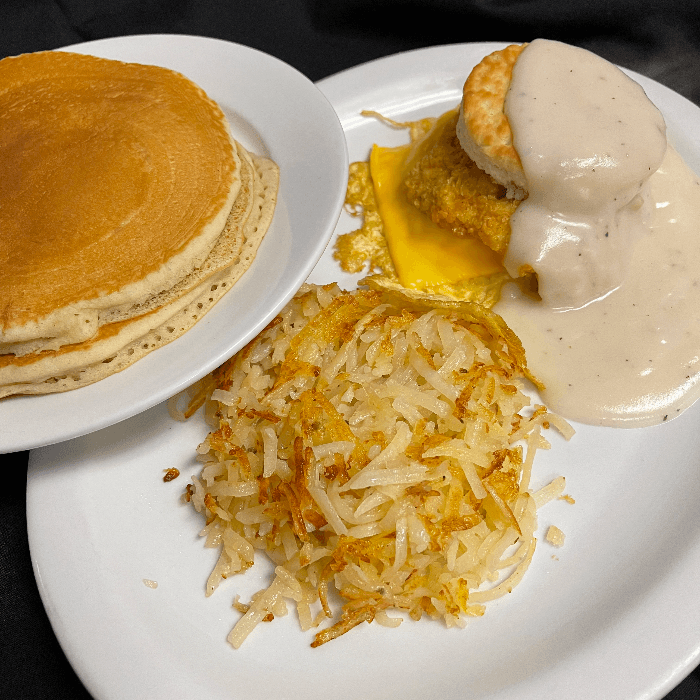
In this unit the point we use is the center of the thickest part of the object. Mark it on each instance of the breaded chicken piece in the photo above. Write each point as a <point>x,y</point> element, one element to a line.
<point>448,186</point>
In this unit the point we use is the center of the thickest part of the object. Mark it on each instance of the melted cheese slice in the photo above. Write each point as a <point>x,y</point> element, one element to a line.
<point>425,256</point>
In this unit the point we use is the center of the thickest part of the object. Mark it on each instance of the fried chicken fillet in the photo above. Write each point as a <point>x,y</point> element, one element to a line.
<point>448,186</point>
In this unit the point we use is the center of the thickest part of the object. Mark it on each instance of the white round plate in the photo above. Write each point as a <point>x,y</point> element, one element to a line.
<point>614,613</point>
<point>275,111</point>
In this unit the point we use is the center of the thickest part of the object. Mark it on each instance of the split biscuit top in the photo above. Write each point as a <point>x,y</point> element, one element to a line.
<point>116,180</point>
<point>483,128</point>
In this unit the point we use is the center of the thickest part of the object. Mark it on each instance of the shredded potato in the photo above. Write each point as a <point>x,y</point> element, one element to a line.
<point>555,536</point>
<point>376,447</point>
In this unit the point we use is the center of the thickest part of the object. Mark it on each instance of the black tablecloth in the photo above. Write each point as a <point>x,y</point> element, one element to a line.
<point>319,38</point>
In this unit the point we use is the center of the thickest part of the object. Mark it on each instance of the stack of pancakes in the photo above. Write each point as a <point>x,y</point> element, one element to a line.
<point>127,210</point>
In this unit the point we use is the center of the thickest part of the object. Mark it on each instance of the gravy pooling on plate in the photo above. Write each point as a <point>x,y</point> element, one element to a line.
<point>610,227</point>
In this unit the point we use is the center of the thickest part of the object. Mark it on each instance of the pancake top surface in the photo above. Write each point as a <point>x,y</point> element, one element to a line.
<point>485,132</point>
<point>109,172</point>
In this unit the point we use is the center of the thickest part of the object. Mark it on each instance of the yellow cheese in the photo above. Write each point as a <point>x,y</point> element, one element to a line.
<point>425,256</point>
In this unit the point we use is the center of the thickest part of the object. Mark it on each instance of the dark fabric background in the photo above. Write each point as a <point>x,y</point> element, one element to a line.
<point>319,38</point>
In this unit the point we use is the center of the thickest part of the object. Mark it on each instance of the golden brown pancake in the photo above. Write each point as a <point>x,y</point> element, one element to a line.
<point>483,128</point>
<point>116,180</point>
<point>224,253</point>
<point>118,345</point>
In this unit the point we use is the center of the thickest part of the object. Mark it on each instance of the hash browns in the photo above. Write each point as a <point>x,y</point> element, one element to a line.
<point>373,446</point>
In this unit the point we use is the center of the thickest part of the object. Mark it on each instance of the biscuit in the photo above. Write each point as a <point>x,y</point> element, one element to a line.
<point>483,128</point>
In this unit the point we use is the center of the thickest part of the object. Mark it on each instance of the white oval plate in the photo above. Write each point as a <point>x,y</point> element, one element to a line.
<point>615,613</point>
<point>275,111</point>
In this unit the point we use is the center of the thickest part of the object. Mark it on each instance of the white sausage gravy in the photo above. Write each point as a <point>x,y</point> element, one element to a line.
<point>610,226</point>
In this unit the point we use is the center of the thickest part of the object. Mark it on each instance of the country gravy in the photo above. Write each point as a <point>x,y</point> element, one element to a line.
<point>610,226</point>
